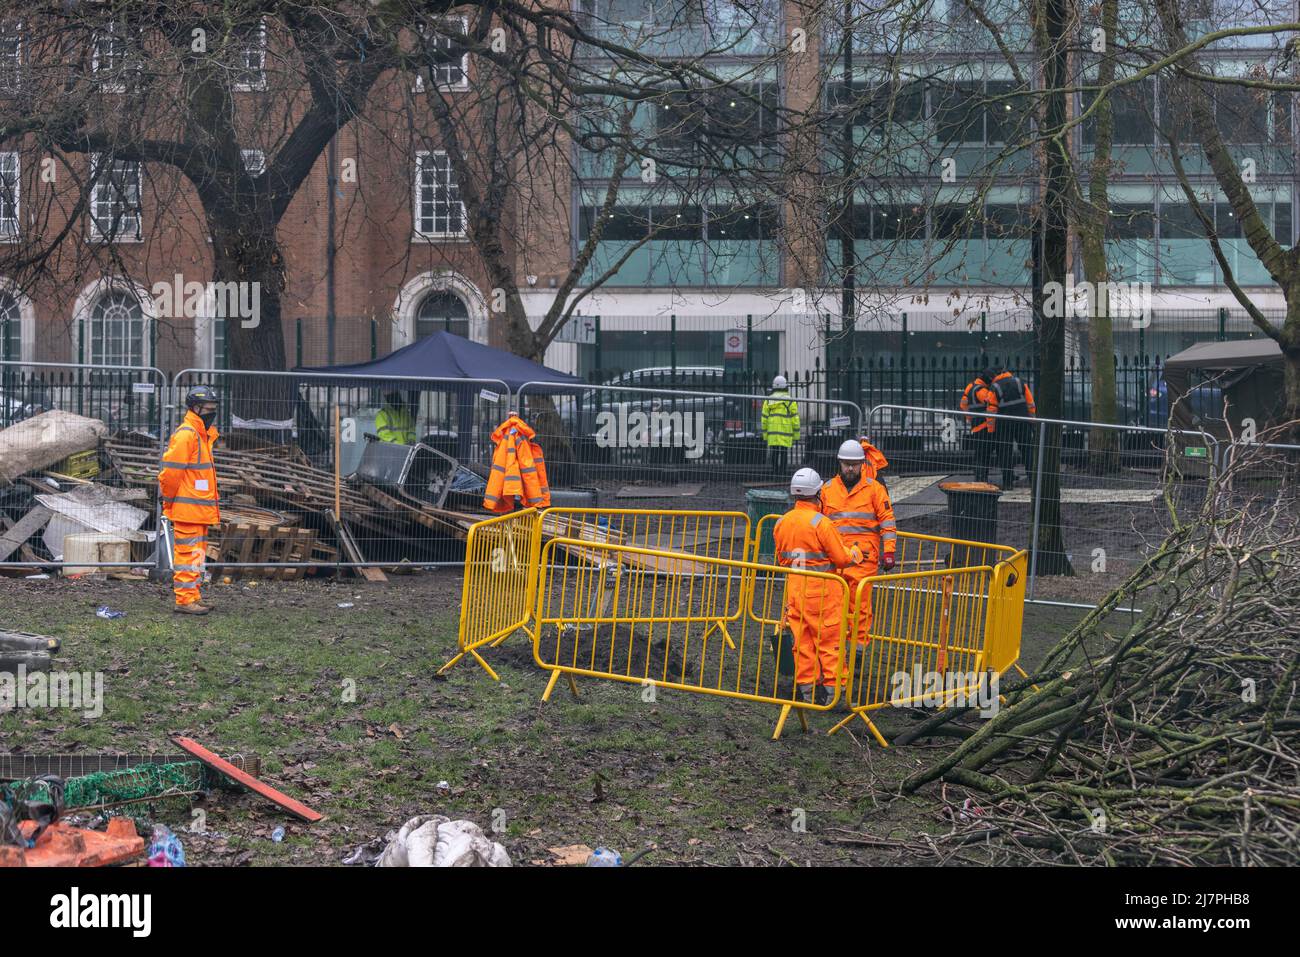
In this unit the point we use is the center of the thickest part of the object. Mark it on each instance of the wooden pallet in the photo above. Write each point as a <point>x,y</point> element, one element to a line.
<point>264,546</point>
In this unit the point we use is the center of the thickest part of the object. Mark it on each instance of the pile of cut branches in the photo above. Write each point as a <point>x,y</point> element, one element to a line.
<point>1178,740</point>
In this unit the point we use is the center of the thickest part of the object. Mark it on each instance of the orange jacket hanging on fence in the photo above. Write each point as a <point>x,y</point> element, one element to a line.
<point>187,482</point>
<point>518,469</point>
<point>814,607</point>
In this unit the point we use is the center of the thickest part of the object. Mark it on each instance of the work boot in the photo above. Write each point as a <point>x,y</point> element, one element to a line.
<point>1008,480</point>
<point>805,693</point>
<point>824,694</point>
<point>193,608</point>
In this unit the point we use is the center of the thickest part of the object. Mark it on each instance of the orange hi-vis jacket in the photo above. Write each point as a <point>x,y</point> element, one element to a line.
<point>978,397</point>
<point>876,461</point>
<point>1014,395</point>
<point>814,607</point>
<point>187,482</point>
<point>518,469</point>
<point>863,516</point>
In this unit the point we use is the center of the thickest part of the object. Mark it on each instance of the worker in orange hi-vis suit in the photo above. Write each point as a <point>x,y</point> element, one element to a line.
<point>814,606</point>
<point>518,469</point>
<point>863,515</point>
<point>187,485</point>
<point>979,396</point>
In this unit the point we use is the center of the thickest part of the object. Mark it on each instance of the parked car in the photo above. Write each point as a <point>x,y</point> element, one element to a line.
<point>661,426</point>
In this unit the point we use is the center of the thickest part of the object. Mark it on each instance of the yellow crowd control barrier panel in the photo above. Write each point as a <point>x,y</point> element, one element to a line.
<point>674,600</point>
<point>672,620</point>
<point>500,575</point>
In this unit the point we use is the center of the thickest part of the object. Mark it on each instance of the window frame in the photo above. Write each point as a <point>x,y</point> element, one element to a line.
<point>259,46</point>
<point>10,233</point>
<point>463,85</point>
<point>121,32</point>
<point>95,233</point>
<point>420,235</point>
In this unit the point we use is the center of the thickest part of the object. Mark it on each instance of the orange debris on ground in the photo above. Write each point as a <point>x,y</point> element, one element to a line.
<point>61,845</point>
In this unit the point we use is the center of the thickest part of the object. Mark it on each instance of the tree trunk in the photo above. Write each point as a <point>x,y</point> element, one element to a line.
<point>1103,444</point>
<point>1050,557</point>
<point>247,254</point>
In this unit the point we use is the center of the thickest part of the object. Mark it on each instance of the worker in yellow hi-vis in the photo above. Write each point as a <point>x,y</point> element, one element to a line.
<point>395,423</point>
<point>780,424</point>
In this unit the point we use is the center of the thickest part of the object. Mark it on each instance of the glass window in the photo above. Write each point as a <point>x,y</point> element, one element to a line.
<point>1241,113</point>
<point>899,222</point>
<point>441,311</point>
<point>743,115</point>
<point>438,209</point>
<point>677,223</point>
<point>115,199</point>
<point>624,223</point>
<point>447,54</point>
<point>1007,109</point>
<point>952,221</point>
<point>116,333</point>
<point>748,223</point>
<point>112,59</point>
<point>11,55</point>
<point>250,59</point>
<point>1007,221</point>
<point>1132,109</point>
<point>1175,114</point>
<point>11,339</point>
<point>958,112</point>
<point>8,195</point>
<point>1131,221</point>
<point>680,120</point>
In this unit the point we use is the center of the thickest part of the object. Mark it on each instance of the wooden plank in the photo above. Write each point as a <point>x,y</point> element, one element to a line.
<point>295,808</point>
<point>352,552</point>
<point>23,529</point>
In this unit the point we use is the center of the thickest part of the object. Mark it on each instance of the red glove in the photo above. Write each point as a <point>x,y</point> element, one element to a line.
<point>887,561</point>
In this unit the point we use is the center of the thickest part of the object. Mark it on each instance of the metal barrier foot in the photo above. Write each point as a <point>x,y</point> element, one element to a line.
<point>448,666</point>
<point>780,721</point>
<point>874,730</point>
<point>484,665</point>
<point>550,685</point>
<point>726,635</point>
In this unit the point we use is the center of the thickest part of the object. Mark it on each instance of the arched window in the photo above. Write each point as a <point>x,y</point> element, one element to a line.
<point>115,332</point>
<point>441,311</point>
<point>11,327</point>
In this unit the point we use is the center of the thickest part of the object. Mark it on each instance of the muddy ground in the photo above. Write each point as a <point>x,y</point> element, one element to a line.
<point>695,778</point>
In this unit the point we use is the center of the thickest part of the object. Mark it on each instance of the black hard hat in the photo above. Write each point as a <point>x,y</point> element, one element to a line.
<point>988,375</point>
<point>200,394</point>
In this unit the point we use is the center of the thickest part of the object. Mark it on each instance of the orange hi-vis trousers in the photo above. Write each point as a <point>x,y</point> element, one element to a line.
<point>189,551</point>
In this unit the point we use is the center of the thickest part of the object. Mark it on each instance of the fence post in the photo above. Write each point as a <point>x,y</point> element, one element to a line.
<point>749,343</point>
<point>1038,506</point>
<point>1223,324</point>
<point>598,347</point>
<point>672,342</point>
<point>297,341</point>
<point>906,383</point>
<point>374,339</point>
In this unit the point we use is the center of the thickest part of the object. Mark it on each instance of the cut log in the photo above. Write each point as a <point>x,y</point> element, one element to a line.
<point>44,440</point>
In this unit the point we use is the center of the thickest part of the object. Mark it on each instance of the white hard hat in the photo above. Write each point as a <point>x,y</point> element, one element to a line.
<point>805,482</point>
<point>779,382</point>
<point>851,451</point>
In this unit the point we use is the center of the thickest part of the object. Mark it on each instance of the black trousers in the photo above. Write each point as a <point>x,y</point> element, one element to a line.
<point>779,457</point>
<point>986,453</point>
<point>1017,438</point>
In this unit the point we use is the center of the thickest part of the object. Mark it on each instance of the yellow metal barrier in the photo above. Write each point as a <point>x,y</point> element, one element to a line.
<point>500,575</point>
<point>599,597</point>
<point>713,534</point>
<point>935,637</point>
<point>659,618</point>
